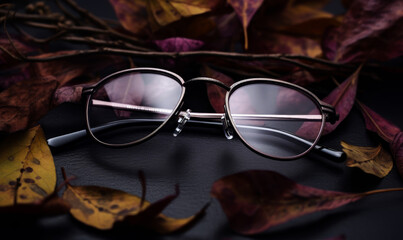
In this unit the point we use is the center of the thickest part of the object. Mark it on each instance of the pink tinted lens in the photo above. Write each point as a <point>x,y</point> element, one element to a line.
<point>275,120</point>
<point>130,106</point>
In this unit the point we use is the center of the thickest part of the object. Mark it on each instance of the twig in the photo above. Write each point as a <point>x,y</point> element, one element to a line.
<point>100,22</point>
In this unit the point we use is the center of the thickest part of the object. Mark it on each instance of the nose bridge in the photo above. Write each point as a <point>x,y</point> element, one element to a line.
<point>226,124</point>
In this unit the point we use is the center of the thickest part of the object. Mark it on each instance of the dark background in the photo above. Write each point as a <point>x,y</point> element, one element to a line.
<point>199,156</point>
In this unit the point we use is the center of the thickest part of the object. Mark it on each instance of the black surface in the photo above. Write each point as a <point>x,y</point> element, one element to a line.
<point>199,156</point>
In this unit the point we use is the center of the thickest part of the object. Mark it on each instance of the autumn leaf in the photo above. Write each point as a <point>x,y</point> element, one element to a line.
<point>373,160</point>
<point>370,30</point>
<point>342,98</point>
<point>245,11</point>
<point>31,95</point>
<point>162,13</point>
<point>377,124</point>
<point>132,14</point>
<point>256,200</point>
<point>27,170</point>
<point>177,44</point>
<point>25,102</point>
<point>102,208</point>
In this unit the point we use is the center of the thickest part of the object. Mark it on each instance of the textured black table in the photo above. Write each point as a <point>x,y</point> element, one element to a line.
<point>199,156</point>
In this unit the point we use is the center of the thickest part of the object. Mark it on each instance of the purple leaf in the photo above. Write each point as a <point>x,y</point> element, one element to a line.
<point>371,29</point>
<point>178,44</point>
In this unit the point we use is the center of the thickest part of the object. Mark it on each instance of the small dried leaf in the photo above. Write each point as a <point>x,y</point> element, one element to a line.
<point>375,123</point>
<point>255,200</point>
<point>245,10</point>
<point>27,170</point>
<point>373,160</point>
<point>102,207</point>
<point>177,44</point>
<point>67,94</point>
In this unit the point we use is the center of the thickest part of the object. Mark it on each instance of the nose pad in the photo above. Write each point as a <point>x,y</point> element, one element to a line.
<point>181,122</point>
<point>226,124</point>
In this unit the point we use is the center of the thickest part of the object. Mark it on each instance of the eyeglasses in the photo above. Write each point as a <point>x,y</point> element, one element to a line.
<point>274,118</point>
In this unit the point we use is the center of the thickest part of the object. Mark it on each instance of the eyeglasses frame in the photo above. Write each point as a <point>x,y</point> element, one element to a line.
<point>327,111</point>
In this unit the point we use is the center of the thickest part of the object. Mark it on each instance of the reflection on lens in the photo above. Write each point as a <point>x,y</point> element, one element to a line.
<point>130,106</point>
<point>276,120</point>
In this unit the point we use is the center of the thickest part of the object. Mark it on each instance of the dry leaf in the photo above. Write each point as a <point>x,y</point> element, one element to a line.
<point>162,12</point>
<point>342,98</point>
<point>257,200</point>
<point>245,10</point>
<point>375,123</point>
<point>373,160</point>
<point>132,14</point>
<point>27,170</point>
<point>102,207</point>
<point>370,30</point>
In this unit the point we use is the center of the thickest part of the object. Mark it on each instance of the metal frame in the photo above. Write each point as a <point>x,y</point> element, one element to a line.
<point>326,111</point>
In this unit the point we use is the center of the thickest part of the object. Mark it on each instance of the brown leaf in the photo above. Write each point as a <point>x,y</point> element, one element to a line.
<point>245,10</point>
<point>373,160</point>
<point>30,97</point>
<point>102,208</point>
<point>132,14</point>
<point>370,30</point>
<point>257,200</point>
<point>24,103</point>
<point>27,170</point>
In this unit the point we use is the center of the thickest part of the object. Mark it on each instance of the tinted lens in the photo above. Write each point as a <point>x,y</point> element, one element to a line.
<point>276,120</point>
<point>131,106</point>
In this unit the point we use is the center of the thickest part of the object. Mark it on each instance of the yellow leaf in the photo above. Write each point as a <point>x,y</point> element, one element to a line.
<point>27,170</point>
<point>102,207</point>
<point>373,160</point>
<point>163,12</point>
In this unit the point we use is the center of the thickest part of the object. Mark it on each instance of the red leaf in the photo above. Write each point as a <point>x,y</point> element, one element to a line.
<point>375,123</point>
<point>397,150</point>
<point>256,200</point>
<point>178,44</point>
<point>371,29</point>
<point>245,10</point>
